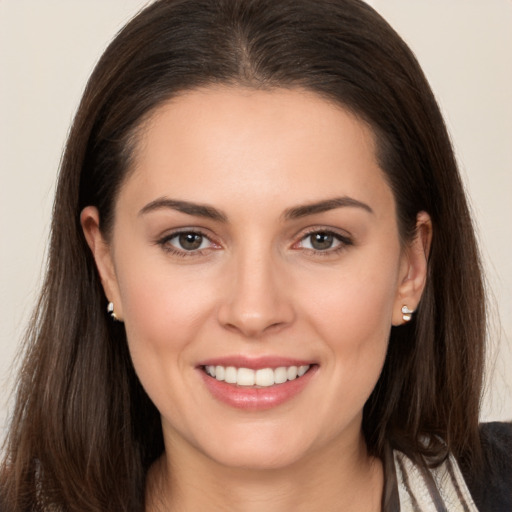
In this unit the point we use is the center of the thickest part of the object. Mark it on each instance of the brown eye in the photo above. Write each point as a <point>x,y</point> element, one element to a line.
<point>189,241</point>
<point>321,241</point>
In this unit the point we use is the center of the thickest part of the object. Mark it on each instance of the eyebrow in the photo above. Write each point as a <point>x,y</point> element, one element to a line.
<point>297,212</point>
<point>196,209</point>
<point>323,206</point>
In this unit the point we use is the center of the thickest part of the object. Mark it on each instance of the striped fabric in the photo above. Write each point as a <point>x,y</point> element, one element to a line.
<point>436,490</point>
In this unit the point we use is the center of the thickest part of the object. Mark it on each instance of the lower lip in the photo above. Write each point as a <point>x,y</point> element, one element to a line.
<point>256,399</point>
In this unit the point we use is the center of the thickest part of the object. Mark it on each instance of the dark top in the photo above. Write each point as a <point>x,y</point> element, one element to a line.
<point>492,488</point>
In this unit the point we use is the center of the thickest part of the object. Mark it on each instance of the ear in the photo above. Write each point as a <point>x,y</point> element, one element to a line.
<point>102,254</point>
<point>413,269</point>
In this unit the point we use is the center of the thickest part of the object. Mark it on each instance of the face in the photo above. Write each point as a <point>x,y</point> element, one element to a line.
<point>256,264</point>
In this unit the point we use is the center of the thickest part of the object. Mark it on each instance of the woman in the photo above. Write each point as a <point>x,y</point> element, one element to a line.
<point>259,248</point>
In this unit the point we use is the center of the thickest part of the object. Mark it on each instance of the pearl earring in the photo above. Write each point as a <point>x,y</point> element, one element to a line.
<point>406,313</point>
<point>110,309</point>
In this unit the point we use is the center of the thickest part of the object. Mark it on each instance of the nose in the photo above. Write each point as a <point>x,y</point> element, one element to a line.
<point>257,299</point>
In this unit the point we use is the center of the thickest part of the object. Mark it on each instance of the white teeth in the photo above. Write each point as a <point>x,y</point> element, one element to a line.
<point>292,372</point>
<point>220,373</point>
<point>245,377</point>
<point>231,374</point>
<point>280,375</point>
<point>264,377</point>
<point>302,370</point>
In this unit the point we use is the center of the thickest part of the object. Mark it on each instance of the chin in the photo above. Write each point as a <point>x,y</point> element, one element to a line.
<point>257,460</point>
<point>263,453</point>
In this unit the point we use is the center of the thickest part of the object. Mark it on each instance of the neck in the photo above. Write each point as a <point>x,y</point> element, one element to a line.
<point>337,479</point>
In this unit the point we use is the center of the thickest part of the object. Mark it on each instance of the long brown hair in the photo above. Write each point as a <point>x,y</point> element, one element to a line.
<point>84,432</point>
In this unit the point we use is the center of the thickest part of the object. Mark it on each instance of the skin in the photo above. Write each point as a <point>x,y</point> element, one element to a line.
<point>258,286</point>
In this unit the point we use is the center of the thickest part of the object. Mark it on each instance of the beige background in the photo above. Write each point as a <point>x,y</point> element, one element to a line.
<point>48,48</point>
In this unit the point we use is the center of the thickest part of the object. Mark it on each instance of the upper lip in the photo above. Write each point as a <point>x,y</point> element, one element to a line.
<point>255,363</point>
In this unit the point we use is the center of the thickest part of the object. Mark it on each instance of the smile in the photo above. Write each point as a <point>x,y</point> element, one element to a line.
<point>263,377</point>
<point>256,385</point>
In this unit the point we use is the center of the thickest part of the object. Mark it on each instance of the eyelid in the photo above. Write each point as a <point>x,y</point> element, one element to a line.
<point>163,241</point>
<point>344,238</point>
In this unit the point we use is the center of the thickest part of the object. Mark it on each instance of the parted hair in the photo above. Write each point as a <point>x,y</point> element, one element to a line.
<point>84,432</point>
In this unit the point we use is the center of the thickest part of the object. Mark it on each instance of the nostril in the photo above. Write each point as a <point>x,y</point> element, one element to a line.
<point>254,327</point>
<point>256,301</point>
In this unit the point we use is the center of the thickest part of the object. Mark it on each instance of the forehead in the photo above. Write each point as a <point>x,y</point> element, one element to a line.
<point>222,141</point>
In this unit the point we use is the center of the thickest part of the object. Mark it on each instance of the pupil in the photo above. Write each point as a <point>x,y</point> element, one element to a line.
<point>322,241</point>
<point>190,241</point>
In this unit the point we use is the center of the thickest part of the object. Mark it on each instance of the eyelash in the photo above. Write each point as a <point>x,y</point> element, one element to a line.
<point>343,242</point>
<point>164,242</point>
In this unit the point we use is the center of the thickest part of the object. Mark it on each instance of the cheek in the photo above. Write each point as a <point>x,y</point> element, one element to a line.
<point>358,301</point>
<point>163,310</point>
<point>161,300</point>
<point>353,315</point>
<point>356,328</point>
<point>162,316</point>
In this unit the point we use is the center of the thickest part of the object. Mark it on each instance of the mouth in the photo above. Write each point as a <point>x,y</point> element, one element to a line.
<point>256,385</point>
<point>256,378</point>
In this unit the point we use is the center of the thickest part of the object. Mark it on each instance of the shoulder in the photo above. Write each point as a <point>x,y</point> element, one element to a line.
<point>491,487</point>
